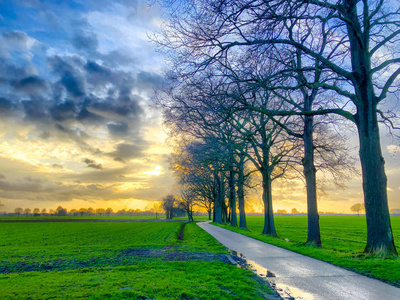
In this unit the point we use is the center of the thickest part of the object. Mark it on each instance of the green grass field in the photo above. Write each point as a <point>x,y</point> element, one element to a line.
<point>343,242</point>
<point>113,260</point>
<point>22,218</point>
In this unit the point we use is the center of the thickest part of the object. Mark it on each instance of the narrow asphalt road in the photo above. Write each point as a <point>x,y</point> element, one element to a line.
<point>300,277</point>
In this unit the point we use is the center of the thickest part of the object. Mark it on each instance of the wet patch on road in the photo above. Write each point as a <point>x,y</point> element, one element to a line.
<point>285,292</point>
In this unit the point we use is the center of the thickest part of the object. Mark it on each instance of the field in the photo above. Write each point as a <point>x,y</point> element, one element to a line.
<point>114,260</point>
<point>343,242</point>
<point>56,218</point>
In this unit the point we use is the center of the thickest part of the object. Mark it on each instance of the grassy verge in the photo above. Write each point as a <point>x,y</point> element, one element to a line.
<point>118,260</point>
<point>343,242</point>
<point>156,280</point>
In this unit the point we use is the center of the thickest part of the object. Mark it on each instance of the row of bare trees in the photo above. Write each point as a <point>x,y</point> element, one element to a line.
<point>271,84</point>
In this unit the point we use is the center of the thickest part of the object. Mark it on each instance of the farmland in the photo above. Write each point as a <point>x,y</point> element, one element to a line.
<point>343,242</point>
<point>98,260</point>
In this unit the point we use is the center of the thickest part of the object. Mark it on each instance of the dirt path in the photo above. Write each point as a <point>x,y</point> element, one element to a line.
<point>296,276</point>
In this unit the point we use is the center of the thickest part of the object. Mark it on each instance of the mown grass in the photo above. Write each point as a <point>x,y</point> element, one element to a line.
<point>92,260</point>
<point>155,280</point>
<point>46,242</point>
<point>343,242</point>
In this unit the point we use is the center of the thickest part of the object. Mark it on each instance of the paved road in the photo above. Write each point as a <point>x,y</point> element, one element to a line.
<point>301,277</point>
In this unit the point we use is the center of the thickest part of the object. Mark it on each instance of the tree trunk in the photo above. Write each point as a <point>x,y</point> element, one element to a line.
<point>218,200</point>
<point>232,197</point>
<point>190,216</point>
<point>209,214</point>
<point>269,225</point>
<point>313,235</point>
<point>224,208</point>
<point>379,230</point>
<point>240,192</point>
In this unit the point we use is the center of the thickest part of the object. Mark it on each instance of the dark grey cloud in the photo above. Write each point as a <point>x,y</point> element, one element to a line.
<point>5,106</point>
<point>22,186</point>
<point>128,108</point>
<point>73,84</point>
<point>118,58</point>
<point>64,111</point>
<point>85,41</point>
<point>94,68</point>
<point>92,164</point>
<point>85,116</point>
<point>16,36</point>
<point>57,166</point>
<point>35,110</point>
<point>30,85</point>
<point>71,79</point>
<point>118,129</point>
<point>105,176</point>
<point>9,71</point>
<point>148,81</point>
<point>126,152</point>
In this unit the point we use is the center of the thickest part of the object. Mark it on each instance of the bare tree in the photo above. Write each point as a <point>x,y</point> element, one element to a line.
<point>60,211</point>
<point>156,208</point>
<point>18,211</point>
<point>100,211</point>
<point>109,211</point>
<point>168,204</point>
<point>187,201</point>
<point>357,208</point>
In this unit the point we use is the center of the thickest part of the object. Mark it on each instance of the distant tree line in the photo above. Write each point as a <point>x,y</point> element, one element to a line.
<point>60,211</point>
<point>169,207</point>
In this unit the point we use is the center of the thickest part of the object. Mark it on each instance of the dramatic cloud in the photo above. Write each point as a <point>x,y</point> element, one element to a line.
<point>85,41</point>
<point>92,164</point>
<point>75,81</point>
<point>5,106</point>
<point>118,129</point>
<point>30,85</point>
<point>126,152</point>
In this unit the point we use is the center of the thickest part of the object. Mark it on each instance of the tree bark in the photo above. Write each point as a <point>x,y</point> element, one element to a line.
<point>313,234</point>
<point>224,208</point>
<point>269,225</point>
<point>232,197</point>
<point>218,200</point>
<point>240,193</point>
<point>379,230</point>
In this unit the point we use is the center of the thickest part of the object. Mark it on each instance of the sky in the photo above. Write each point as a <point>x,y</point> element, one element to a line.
<point>77,127</point>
